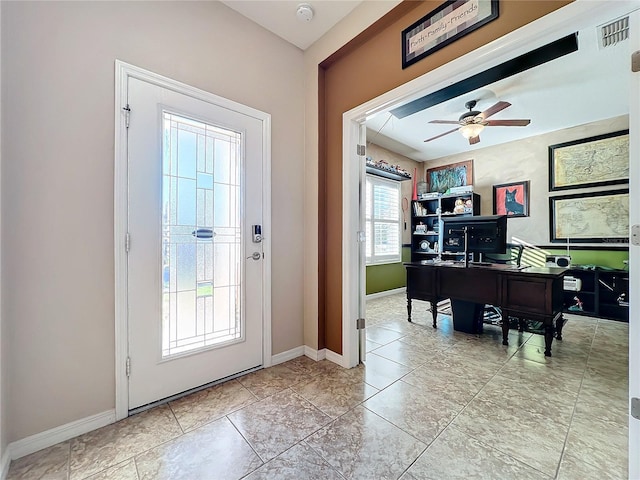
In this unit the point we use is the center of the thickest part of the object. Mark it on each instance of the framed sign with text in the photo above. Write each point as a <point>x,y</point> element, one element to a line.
<point>444,25</point>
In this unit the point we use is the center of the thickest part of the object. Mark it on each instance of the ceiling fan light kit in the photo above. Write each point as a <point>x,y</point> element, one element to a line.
<point>471,130</point>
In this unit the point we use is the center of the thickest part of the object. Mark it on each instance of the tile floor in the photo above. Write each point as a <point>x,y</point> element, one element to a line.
<point>429,404</point>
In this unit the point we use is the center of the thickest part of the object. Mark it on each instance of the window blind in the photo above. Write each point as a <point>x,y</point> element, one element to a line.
<point>382,219</point>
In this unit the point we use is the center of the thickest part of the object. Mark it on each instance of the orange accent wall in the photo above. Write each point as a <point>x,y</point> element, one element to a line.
<point>363,69</point>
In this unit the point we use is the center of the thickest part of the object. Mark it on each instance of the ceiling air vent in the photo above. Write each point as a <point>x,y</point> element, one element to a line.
<point>614,32</point>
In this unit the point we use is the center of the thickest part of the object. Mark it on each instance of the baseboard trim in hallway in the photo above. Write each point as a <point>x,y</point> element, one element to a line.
<point>309,352</point>
<point>386,293</point>
<point>313,354</point>
<point>336,358</point>
<point>48,438</point>
<point>286,356</point>
<point>4,464</point>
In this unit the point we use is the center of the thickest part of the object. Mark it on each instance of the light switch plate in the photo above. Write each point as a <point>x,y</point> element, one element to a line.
<point>635,61</point>
<point>635,235</point>
<point>635,407</point>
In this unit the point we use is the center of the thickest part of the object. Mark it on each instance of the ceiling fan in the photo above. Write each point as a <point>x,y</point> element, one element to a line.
<point>471,123</point>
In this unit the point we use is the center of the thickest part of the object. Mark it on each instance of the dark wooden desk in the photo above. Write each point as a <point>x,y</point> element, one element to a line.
<point>534,293</point>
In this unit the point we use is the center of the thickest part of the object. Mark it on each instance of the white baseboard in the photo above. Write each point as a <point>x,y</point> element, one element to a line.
<point>335,358</point>
<point>386,292</point>
<point>307,351</point>
<point>288,355</point>
<point>314,354</point>
<point>5,461</point>
<point>323,354</point>
<point>59,434</point>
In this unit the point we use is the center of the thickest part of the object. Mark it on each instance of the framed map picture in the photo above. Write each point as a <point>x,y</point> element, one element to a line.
<point>596,217</point>
<point>590,162</point>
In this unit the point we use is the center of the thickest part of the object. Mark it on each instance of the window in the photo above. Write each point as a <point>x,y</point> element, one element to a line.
<point>201,191</point>
<point>382,218</point>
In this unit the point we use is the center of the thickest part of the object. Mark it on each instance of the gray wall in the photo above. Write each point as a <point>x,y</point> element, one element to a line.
<point>57,181</point>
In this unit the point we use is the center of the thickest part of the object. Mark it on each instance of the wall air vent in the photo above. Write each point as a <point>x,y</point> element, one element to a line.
<point>614,32</point>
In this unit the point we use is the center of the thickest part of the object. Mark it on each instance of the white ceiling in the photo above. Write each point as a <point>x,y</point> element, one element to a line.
<point>588,85</point>
<point>279,17</point>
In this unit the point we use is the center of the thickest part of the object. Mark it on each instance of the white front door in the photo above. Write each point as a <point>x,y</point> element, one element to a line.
<point>195,273</point>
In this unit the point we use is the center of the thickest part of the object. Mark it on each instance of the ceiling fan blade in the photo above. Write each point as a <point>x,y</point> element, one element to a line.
<point>448,122</point>
<point>474,140</point>
<point>495,109</point>
<point>508,123</point>
<point>441,135</point>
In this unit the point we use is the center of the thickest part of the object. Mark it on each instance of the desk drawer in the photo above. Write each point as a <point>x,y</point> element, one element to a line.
<point>531,295</point>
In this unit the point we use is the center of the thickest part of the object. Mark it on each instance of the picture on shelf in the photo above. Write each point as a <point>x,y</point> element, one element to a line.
<point>383,166</point>
<point>441,179</point>
<point>511,199</point>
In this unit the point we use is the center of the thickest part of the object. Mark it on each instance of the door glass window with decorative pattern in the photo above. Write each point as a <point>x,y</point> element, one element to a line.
<point>201,235</point>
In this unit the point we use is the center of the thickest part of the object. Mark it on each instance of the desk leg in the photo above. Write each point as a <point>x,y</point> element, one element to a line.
<point>505,328</point>
<point>408,308</point>
<point>559,325</point>
<point>548,338</point>
<point>434,313</point>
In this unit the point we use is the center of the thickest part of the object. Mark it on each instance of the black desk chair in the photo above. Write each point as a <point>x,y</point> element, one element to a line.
<point>512,256</point>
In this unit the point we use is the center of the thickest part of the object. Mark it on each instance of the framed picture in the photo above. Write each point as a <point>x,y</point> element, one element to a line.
<point>444,25</point>
<point>440,179</point>
<point>594,217</point>
<point>590,162</point>
<point>511,199</point>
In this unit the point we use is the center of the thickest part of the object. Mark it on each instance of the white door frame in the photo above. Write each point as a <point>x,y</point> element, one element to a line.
<point>362,253</point>
<point>125,71</point>
<point>634,252</point>
<point>564,21</point>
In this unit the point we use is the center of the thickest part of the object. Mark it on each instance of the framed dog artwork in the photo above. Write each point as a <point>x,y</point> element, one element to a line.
<point>511,199</point>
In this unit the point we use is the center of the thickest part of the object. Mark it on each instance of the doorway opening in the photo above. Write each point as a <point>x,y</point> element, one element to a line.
<point>563,22</point>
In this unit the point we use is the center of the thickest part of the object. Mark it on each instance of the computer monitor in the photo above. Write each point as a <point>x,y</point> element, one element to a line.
<point>482,234</point>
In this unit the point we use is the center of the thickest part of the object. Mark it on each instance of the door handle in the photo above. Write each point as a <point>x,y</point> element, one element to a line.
<point>203,233</point>
<point>255,256</point>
